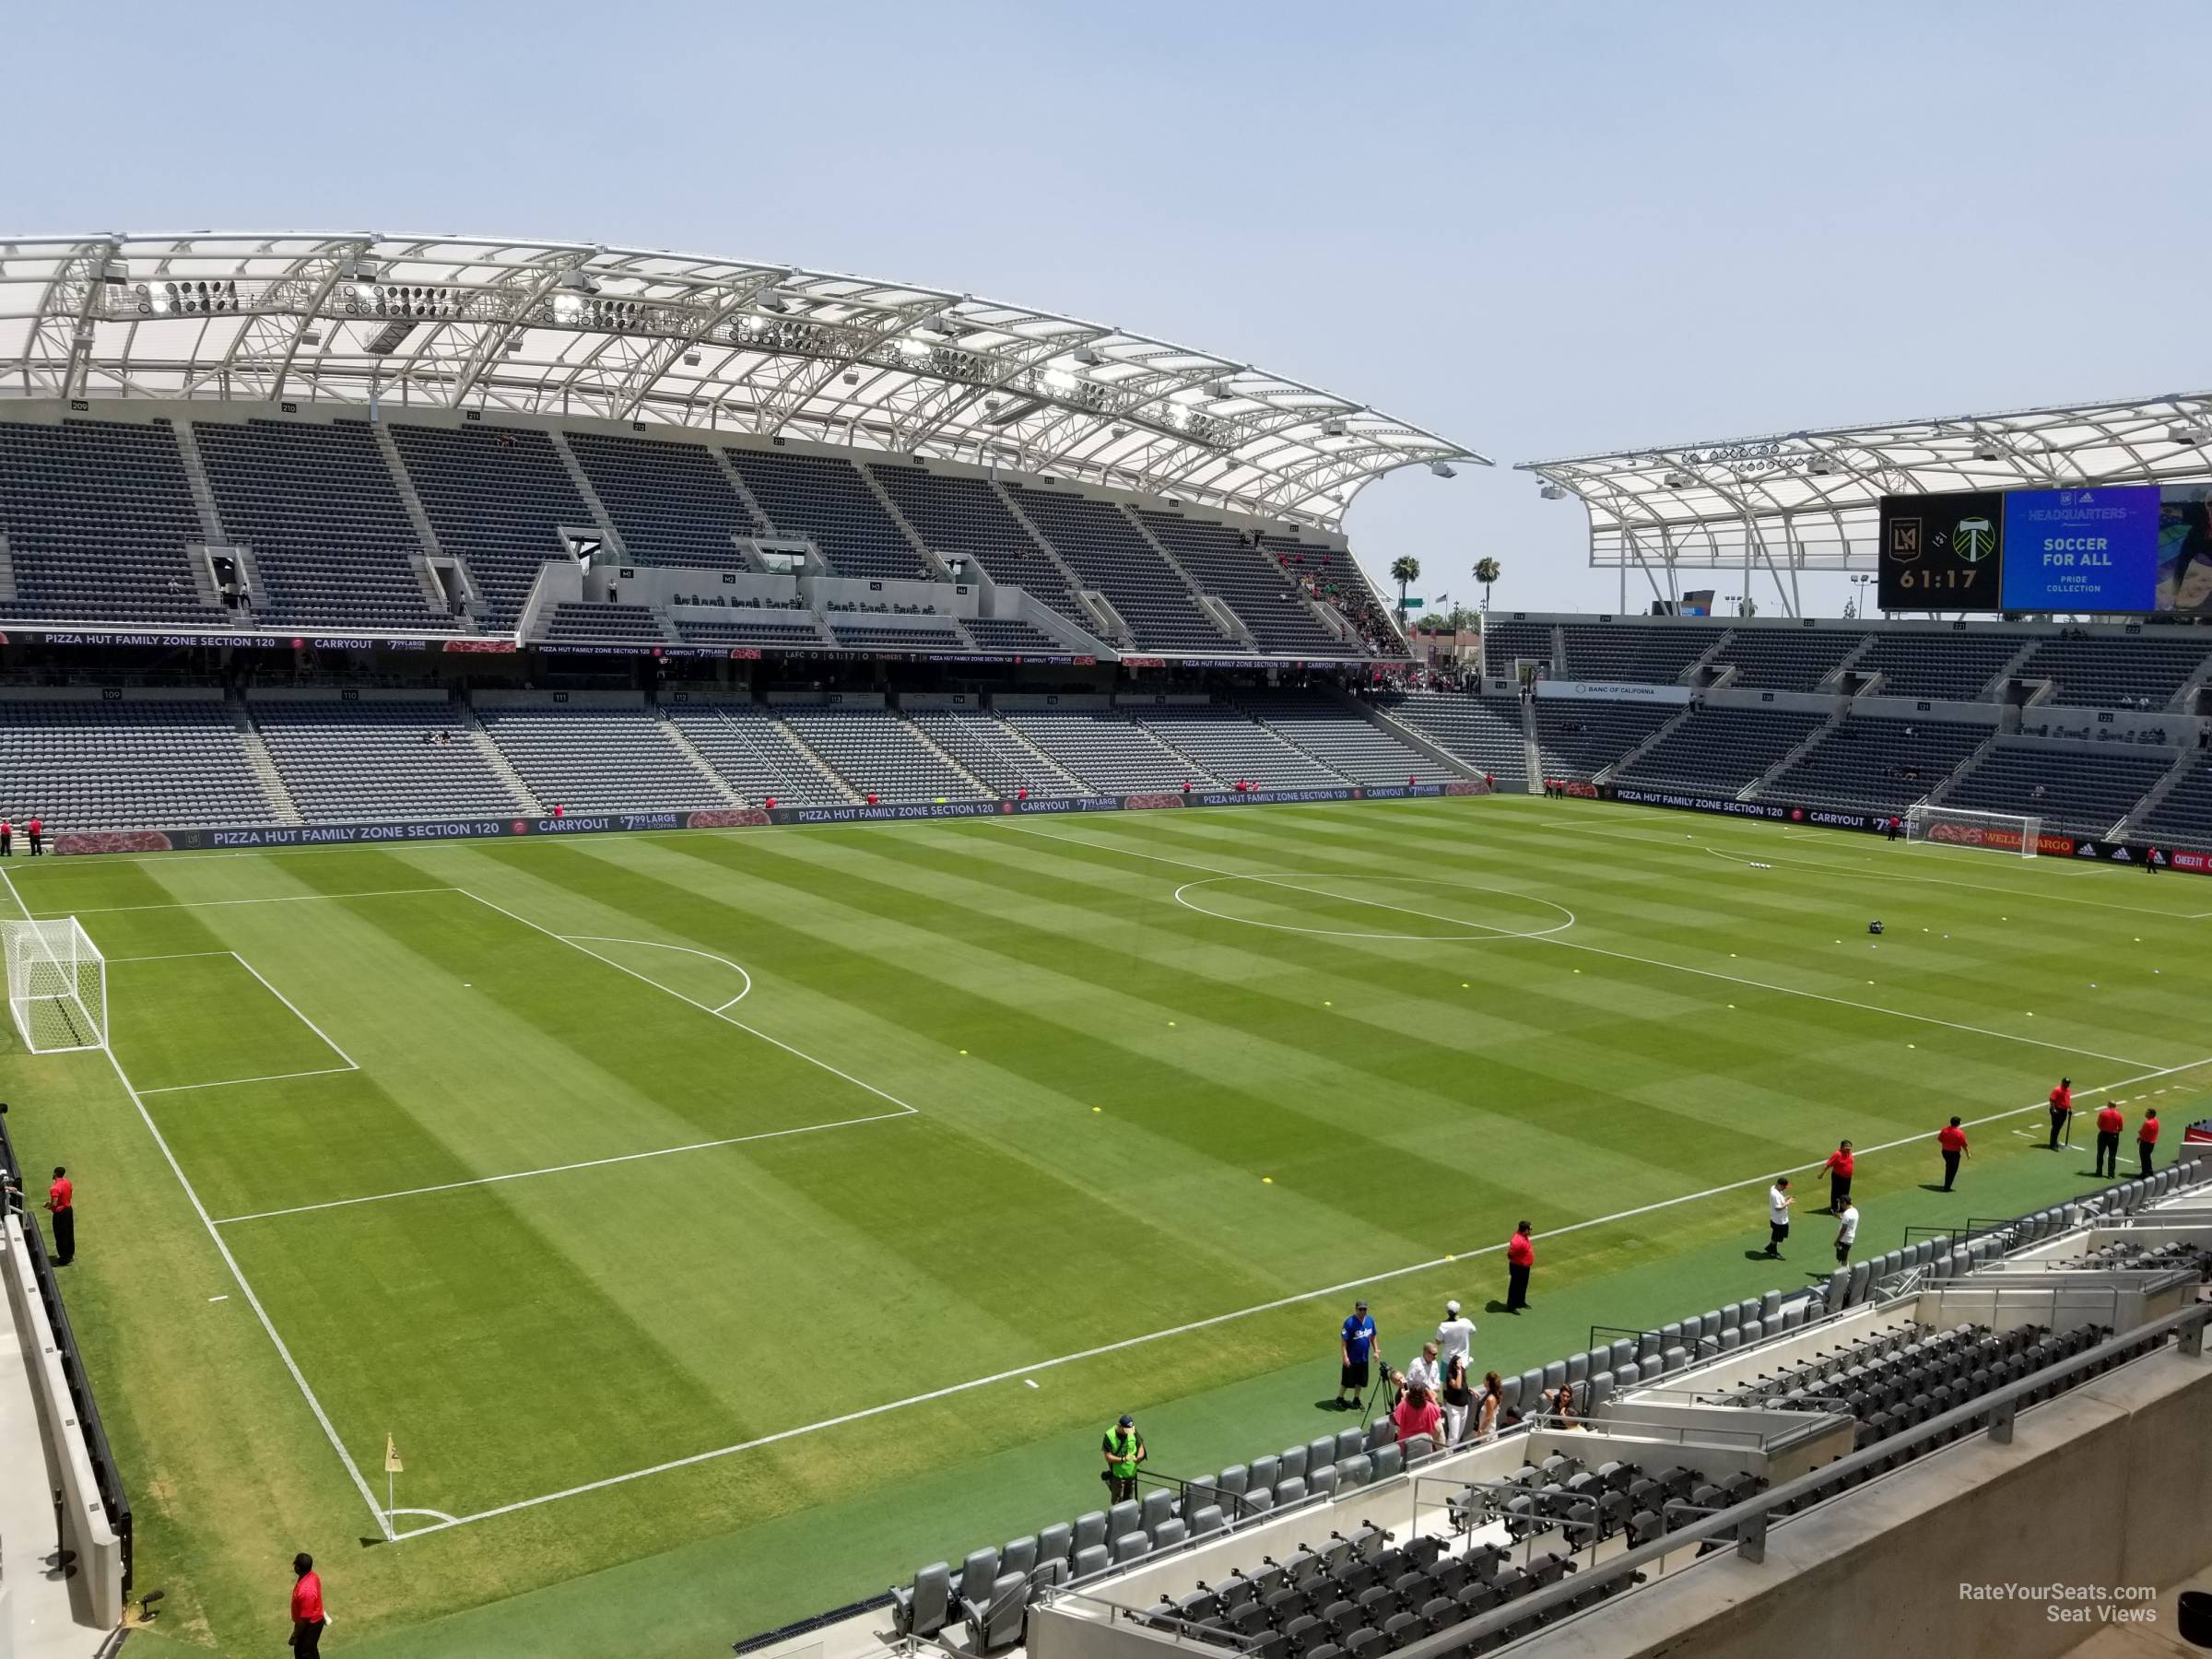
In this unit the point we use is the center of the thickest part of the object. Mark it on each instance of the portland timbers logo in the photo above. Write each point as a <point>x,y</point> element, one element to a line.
<point>1974,539</point>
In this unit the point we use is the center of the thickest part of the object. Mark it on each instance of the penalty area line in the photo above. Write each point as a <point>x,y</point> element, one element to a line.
<point>1023,1372</point>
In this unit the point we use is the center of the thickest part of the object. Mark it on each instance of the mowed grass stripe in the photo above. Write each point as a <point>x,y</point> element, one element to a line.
<point>1318,1068</point>
<point>2067,1031</point>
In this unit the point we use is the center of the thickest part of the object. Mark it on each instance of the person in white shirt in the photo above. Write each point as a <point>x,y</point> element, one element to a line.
<point>1847,1232</point>
<point>1778,1216</point>
<point>1424,1372</point>
<point>1455,1336</point>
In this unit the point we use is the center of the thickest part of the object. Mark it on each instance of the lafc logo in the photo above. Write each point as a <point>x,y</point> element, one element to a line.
<point>1974,539</point>
<point>1905,540</point>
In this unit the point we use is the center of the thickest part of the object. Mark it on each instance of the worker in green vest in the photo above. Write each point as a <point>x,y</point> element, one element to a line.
<point>1124,1449</point>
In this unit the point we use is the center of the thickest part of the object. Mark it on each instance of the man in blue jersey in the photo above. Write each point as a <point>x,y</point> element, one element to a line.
<point>1357,1347</point>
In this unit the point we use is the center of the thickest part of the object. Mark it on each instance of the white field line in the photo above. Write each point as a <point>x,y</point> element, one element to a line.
<point>326,1071</point>
<point>440,1514</point>
<point>660,945</point>
<point>1843,1001</point>
<point>704,1007</point>
<point>589,1163</point>
<point>303,1020</point>
<point>1021,1372</point>
<point>383,1524</point>
<point>171,956</point>
<point>111,909</point>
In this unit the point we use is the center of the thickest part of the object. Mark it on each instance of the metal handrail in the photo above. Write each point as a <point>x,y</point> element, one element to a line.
<point>1748,1521</point>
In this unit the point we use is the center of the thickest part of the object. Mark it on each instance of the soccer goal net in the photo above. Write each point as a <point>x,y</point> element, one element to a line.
<point>57,985</point>
<point>2012,832</point>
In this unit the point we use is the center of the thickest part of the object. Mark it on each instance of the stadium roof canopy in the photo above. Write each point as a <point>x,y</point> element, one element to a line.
<point>1809,500</point>
<point>626,333</point>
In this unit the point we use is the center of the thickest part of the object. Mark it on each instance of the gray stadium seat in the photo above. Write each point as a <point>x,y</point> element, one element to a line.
<point>1389,1461</point>
<point>1290,1489</point>
<point>1018,1556</point>
<point>1321,1483</point>
<point>1350,1443</point>
<point>1054,1543</point>
<point>1555,1376</point>
<point>1124,1518</point>
<point>1091,1559</point>
<point>1090,1528</point>
<point>1131,1546</point>
<point>1154,1511</point>
<point>1292,1461</point>
<point>921,1608</point>
<point>1266,1471</point>
<point>1354,1471</point>
<point>1172,1533</point>
<point>1207,1520</point>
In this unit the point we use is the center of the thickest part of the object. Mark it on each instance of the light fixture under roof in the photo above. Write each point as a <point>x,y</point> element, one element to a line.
<point>775,299</point>
<point>1332,427</point>
<point>1086,356</point>
<point>2189,434</point>
<point>1552,492</point>
<point>1986,449</point>
<point>851,377</point>
<point>578,280</point>
<point>1442,469</point>
<point>691,359</point>
<point>1821,466</point>
<point>1678,481</point>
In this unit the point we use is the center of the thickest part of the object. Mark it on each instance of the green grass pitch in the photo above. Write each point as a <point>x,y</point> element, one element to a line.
<point>722,1224</point>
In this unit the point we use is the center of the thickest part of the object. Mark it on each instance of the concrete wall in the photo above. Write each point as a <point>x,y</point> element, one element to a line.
<point>100,1551</point>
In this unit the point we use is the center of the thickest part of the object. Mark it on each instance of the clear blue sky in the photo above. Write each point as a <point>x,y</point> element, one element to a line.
<point>1539,228</point>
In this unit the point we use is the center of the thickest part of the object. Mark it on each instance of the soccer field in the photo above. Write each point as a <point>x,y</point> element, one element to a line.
<point>744,1218</point>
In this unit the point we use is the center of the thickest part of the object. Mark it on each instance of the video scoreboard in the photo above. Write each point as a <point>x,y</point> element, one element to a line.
<point>2123,548</point>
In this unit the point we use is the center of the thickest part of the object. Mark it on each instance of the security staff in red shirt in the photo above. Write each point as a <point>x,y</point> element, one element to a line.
<point>2109,1124</point>
<point>1840,1166</point>
<point>1519,1258</point>
<point>2062,1108</point>
<point>308,1618</point>
<point>38,835</point>
<point>61,1205</point>
<point>1952,1139</point>
<point>2146,1140</point>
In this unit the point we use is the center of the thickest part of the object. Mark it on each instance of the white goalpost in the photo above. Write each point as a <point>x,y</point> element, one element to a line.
<point>2012,832</point>
<point>57,985</point>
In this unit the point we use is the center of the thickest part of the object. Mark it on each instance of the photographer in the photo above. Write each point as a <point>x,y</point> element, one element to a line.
<point>1123,1449</point>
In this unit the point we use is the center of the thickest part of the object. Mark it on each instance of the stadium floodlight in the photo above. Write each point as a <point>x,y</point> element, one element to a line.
<point>1442,469</point>
<point>776,300</point>
<point>1987,450</point>
<point>2193,435</point>
<point>578,280</point>
<point>1332,427</point>
<point>2019,834</point>
<point>909,346</point>
<point>851,377</point>
<point>310,339</point>
<point>1551,492</point>
<point>1060,379</point>
<point>1087,356</point>
<point>57,985</point>
<point>1821,466</point>
<point>691,359</point>
<point>1678,481</point>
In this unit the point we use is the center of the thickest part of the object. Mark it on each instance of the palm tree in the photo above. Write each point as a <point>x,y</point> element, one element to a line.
<point>1404,570</point>
<point>1488,570</point>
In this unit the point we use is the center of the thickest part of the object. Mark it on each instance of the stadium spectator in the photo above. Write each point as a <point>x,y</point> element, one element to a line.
<point>1840,1166</point>
<point>1423,1372</point>
<point>1417,1414</point>
<point>1520,1260</point>
<point>61,1205</point>
<point>1123,1449</point>
<point>2109,1122</point>
<point>2147,1139</point>
<point>1356,1346</point>
<point>36,828</point>
<point>1952,1139</point>
<point>1487,1403</point>
<point>1778,1216</point>
<point>1457,1400</point>
<point>2062,1108</point>
<point>1560,1405</point>
<point>307,1617</point>
<point>1455,1335</point>
<point>1847,1231</point>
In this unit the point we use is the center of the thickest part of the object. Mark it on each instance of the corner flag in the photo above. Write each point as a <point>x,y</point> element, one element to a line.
<point>391,1463</point>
